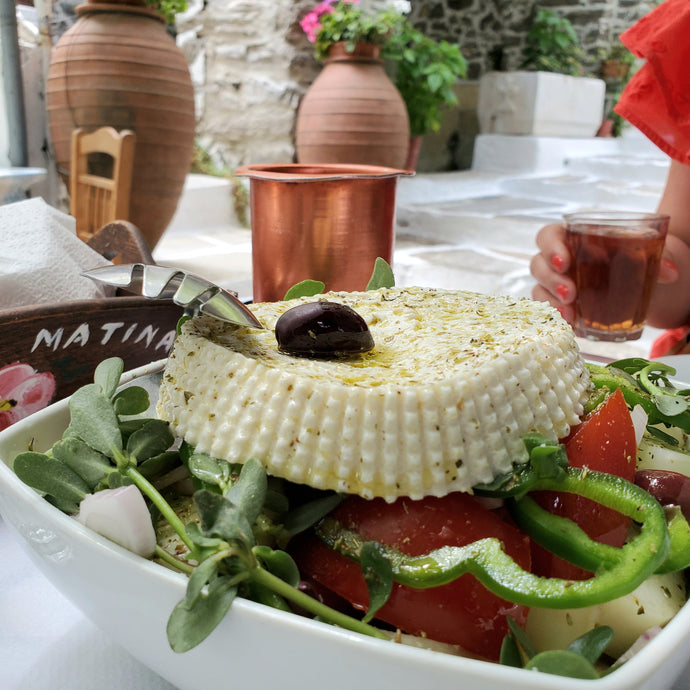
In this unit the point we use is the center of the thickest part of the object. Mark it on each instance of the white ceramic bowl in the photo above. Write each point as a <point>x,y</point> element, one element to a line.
<point>255,646</point>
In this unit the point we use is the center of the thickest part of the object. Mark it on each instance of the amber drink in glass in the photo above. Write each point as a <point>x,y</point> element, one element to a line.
<point>614,265</point>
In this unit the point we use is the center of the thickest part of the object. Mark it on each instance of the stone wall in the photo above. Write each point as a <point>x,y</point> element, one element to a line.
<point>491,33</point>
<point>251,64</point>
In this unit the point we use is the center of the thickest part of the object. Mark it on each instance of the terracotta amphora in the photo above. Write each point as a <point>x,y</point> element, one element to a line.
<point>353,113</point>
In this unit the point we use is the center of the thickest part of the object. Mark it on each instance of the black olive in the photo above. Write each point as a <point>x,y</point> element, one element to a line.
<point>322,329</point>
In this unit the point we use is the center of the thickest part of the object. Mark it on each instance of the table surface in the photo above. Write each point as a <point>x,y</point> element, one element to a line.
<point>46,643</point>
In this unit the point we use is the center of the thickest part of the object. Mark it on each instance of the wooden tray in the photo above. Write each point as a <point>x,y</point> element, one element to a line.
<point>48,351</point>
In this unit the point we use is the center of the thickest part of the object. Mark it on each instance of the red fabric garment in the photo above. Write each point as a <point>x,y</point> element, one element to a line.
<point>675,341</point>
<point>657,98</point>
<point>657,102</point>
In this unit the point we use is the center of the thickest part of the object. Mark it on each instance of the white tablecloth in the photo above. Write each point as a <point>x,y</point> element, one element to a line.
<point>47,644</point>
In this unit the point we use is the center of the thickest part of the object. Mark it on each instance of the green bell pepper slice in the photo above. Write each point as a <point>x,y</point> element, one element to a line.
<point>617,571</point>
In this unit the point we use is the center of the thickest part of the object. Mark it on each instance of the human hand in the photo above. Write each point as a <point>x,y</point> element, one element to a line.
<point>551,265</point>
<point>550,268</point>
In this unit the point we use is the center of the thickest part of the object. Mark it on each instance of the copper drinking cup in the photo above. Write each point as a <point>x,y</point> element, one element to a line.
<point>319,222</point>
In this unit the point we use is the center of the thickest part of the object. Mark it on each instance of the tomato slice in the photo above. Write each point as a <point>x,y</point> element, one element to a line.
<point>605,442</point>
<point>462,612</point>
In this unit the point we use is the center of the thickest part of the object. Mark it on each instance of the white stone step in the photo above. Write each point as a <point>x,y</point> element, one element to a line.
<point>206,202</point>
<point>650,171</point>
<point>524,155</point>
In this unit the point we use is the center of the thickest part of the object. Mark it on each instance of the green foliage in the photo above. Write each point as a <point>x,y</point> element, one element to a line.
<point>99,450</point>
<point>618,53</point>
<point>378,575</point>
<point>424,71</point>
<point>382,275</point>
<point>347,22</point>
<point>305,288</point>
<point>577,661</point>
<point>552,45</point>
<point>168,8</point>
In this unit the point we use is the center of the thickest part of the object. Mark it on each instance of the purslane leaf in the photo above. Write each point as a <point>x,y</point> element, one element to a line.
<point>200,539</point>
<point>200,578</point>
<point>221,518</point>
<point>91,465</point>
<point>107,375</point>
<point>382,275</point>
<point>94,420</point>
<point>131,400</point>
<point>378,575</point>
<point>50,476</point>
<point>304,516</point>
<point>563,663</point>
<point>160,464</point>
<point>152,439</point>
<point>188,627</point>
<point>280,563</point>
<point>306,288</point>
<point>521,637</point>
<point>510,653</point>
<point>117,479</point>
<point>248,493</point>
<point>210,470</point>
<point>593,643</point>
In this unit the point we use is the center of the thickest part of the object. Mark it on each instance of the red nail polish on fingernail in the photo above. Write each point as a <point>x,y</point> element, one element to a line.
<point>562,291</point>
<point>670,265</point>
<point>557,262</point>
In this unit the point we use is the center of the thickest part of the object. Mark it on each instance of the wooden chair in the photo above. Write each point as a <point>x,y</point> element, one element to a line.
<point>100,178</point>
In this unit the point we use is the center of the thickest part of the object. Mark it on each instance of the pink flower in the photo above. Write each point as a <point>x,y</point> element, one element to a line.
<point>310,23</point>
<point>23,391</point>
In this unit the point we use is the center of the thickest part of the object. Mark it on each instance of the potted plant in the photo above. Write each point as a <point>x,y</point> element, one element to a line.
<point>549,96</point>
<point>616,68</point>
<point>424,72</point>
<point>552,45</point>
<point>616,63</point>
<point>352,113</point>
<point>345,21</point>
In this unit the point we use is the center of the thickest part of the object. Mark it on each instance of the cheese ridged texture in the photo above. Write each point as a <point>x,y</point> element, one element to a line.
<point>455,380</point>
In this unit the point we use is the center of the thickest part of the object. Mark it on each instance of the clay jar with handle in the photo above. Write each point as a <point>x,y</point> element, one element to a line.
<point>319,222</point>
<point>118,66</point>
<point>353,113</point>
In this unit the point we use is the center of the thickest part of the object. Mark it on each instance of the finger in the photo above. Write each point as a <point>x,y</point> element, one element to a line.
<point>560,288</point>
<point>668,272</point>
<point>551,243</point>
<point>540,294</point>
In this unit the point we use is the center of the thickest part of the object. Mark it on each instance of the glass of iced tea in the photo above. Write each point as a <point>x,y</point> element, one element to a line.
<point>615,263</point>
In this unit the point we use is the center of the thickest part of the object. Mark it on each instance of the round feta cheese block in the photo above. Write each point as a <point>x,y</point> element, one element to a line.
<point>441,403</point>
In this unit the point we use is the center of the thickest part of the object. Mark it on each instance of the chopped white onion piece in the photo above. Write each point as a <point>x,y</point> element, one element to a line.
<point>641,642</point>
<point>639,420</point>
<point>120,515</point>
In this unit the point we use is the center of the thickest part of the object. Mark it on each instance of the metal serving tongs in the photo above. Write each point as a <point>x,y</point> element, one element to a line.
<point>195,294</point>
